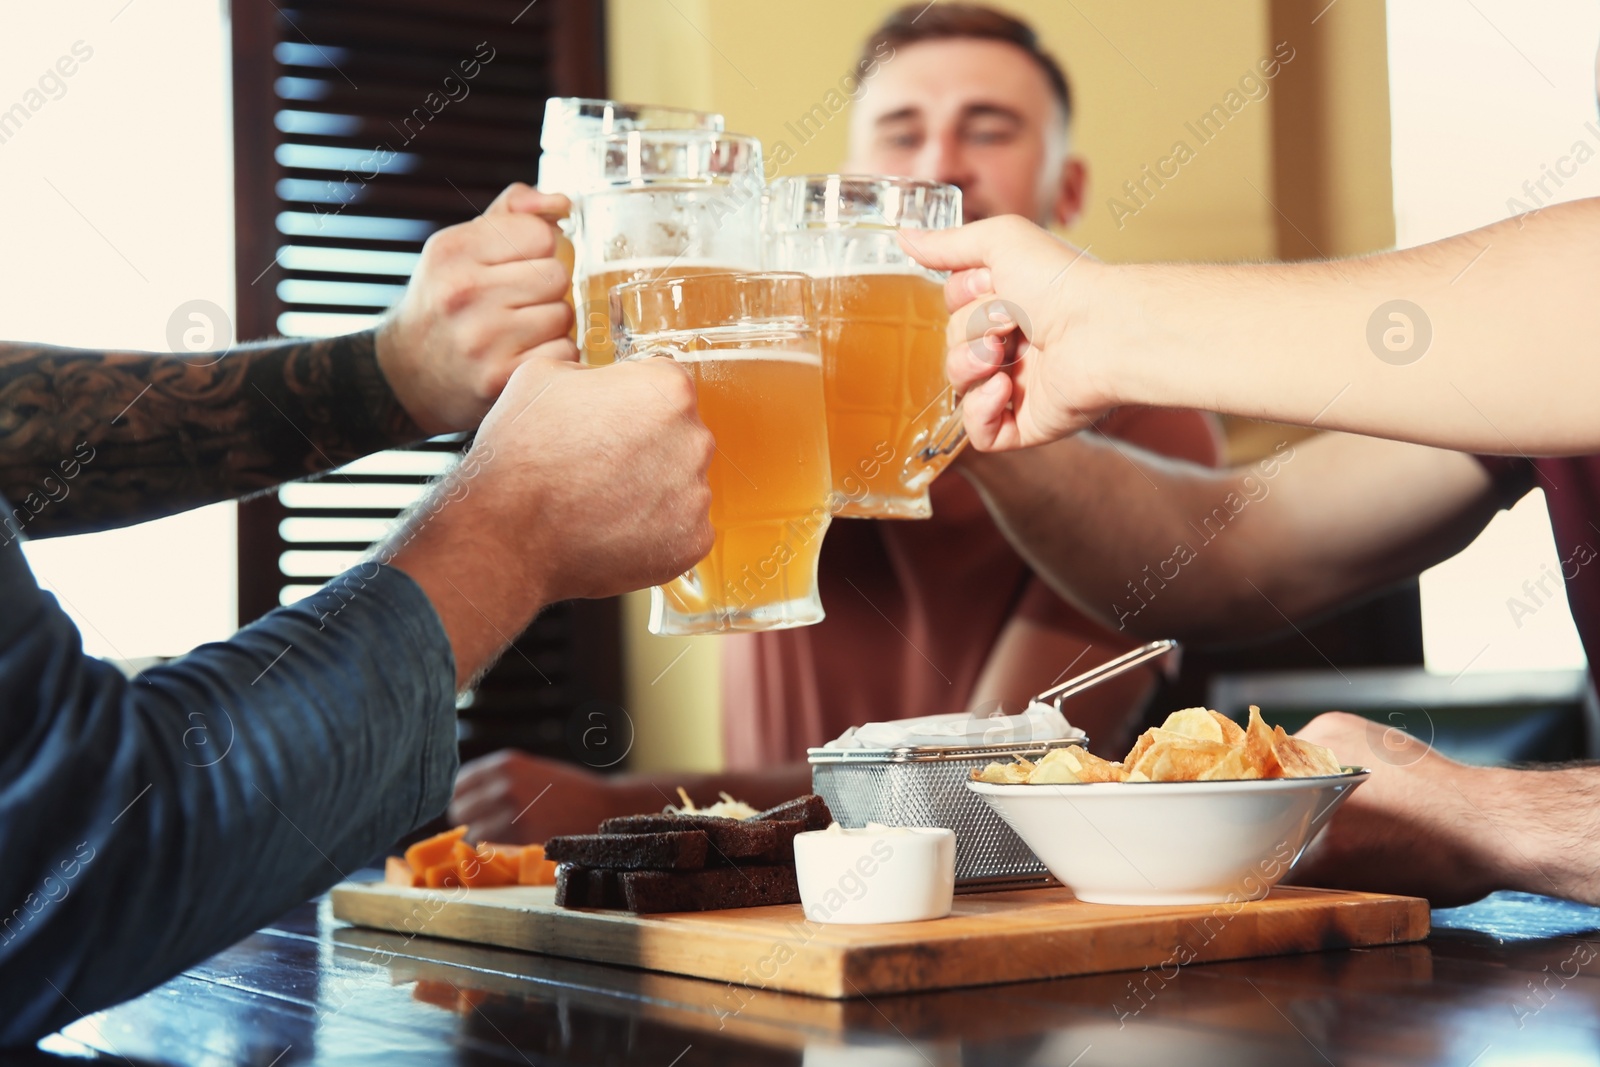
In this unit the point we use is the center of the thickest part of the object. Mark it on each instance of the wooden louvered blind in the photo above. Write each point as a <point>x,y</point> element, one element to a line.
<point>361,127</point>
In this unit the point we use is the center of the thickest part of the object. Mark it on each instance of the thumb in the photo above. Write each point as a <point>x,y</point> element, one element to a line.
<point>523,199</point>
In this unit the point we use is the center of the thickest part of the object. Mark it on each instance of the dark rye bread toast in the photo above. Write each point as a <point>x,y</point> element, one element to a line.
<point>585,887</point>
<point>686,862</point>
<point>732,840</point>
<point>649,892</point>
<point>677,850</point>
<point>809,809</point>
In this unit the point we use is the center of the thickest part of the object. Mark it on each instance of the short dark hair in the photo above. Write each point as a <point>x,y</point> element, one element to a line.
<point>918,22</point>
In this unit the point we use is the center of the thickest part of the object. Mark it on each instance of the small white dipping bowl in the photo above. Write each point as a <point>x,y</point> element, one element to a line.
<point>876,875</point>
<point>1170,842</point>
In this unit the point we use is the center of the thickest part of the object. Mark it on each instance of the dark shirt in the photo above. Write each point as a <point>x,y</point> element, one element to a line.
<point>146,824</point>
<point>1572,494</point>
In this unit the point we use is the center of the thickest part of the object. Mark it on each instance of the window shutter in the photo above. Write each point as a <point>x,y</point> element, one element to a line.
<point>350,148</point>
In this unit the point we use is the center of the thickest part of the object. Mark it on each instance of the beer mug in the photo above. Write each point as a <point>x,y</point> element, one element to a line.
<point>570,122</point>
<point>893,423</point>
<point>665,203</point>
<point>749,341</point>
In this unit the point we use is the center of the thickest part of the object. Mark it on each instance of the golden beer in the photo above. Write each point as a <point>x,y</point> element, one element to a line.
<point>769,505</point>
<point>758,384</point>
<point>678,202</point>
<point>882,322</point>
<point>595,344</point>
<point>567,256</point>
<point>883,352</point>
<point>568,162</point>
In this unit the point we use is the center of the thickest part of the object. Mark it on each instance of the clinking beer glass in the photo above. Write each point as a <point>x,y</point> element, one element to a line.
<point>892,419</point>
<point>565,158</point>
<point>749,341</point>
<point>664,203</point>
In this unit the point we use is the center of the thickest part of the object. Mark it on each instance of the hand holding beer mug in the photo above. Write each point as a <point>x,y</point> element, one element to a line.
<point>892,419</point>
<point>565,160</point>
<point>749,342</point>
<point>667,203</point>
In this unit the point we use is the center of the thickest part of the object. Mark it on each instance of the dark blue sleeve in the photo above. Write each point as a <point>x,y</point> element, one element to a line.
<point>147,824</point>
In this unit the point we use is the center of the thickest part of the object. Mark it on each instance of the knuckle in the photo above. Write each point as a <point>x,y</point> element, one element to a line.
<point>563,319</point>
<point>705,445</point>
<point>445,243</point>
<point>459,295</point>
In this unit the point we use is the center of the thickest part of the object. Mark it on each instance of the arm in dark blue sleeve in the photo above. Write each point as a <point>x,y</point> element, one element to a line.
<point>148,823</point>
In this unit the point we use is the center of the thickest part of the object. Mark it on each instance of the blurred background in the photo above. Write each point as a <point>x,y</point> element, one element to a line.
<point>224,152</point>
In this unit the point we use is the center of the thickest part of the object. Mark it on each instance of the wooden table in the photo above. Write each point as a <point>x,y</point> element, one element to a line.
<point>1509,981</point>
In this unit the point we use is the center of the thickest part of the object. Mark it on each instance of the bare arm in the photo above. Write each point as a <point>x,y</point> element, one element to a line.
<point>1482,342</point>
<point>93,440</point>
<point>1426,825</point>
<point>1160,548</point>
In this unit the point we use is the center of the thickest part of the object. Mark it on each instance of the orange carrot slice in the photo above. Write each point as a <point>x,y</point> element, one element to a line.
<point>432,851</point>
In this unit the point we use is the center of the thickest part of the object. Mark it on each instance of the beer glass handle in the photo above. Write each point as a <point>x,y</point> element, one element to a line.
<point>947,439</point>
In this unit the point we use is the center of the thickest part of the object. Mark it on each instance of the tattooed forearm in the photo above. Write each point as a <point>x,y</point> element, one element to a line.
<point>95,440</point>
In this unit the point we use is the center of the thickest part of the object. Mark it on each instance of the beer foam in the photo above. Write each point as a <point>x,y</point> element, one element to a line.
<point>766,355</point>
<point>665,266</point>
<point>902,269</point>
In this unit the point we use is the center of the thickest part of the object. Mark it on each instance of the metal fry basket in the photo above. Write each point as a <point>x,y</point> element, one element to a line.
<point>927,786</point>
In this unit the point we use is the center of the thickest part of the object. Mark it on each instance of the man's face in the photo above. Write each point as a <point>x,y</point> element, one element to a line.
<point>977,114</point>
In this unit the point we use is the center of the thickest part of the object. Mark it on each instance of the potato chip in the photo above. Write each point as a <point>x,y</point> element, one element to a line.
<point>1018,773</point>
<point>1094,769</point>
<point>1196,723</point>
<point>1192,745</point>
<point>1184,760</point>
<point>1140,747</point>
<point>1260,744</point>
<point>1302,759</point>
<point>1232,732</point>
<point>1057,767</point>
<point>1236,766</point>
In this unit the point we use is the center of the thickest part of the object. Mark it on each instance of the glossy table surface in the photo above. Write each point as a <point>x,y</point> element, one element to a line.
<point>1513,979</point>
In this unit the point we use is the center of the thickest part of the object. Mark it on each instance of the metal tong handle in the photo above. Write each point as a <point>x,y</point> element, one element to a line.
<point>1105,672</point>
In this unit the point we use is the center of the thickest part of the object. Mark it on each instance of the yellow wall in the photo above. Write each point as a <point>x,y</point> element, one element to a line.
<point>1140,73</point>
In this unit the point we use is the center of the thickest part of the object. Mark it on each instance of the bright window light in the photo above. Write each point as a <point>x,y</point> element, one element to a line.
<point>1486,99</point>
<point>119,208</point>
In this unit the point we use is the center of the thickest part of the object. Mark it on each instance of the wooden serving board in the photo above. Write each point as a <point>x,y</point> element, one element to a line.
<point>1010,936</point>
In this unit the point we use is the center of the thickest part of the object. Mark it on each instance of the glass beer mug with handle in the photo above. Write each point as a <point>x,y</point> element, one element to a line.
<point>666,203</point>
<point>571,122</point>
<point>749,342</point>
<point>893,423</point>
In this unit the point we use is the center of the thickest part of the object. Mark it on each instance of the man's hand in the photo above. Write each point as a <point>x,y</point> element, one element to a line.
<point>486,296</point>
<point>1422,825</point>
<point>1013,300</point>
<point>582,482</point>
<point>601,474</point>
<point>520,799</point>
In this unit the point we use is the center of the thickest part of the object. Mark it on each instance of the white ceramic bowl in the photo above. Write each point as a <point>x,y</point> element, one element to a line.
<point>1170,842</point>
<point>876,875</point>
